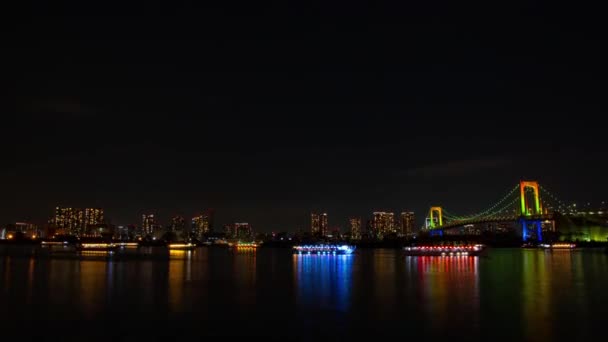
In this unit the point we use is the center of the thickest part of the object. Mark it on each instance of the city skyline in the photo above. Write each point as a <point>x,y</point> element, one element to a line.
<point>79,220</point>
<point>418,111</point>
<point>343,222</point>
<point>308,171</point>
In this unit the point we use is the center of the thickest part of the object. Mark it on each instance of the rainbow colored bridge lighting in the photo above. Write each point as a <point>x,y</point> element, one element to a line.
<point>525,210</point>
<point>439,217</point>
<point>324,249</point>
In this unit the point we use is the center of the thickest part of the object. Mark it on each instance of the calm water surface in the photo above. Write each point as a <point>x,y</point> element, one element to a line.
<point>512,294</point>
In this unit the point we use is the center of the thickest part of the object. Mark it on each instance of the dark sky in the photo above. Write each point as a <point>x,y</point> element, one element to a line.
<point>266,111</point>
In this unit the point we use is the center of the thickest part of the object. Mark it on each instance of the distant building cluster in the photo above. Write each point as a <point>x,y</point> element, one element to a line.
<point>379,225</point>
<point>78,221</point>
<point>91,223</point>
<point>319,224</point>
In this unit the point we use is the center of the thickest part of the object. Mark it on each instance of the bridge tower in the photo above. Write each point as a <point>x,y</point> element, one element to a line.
<point>439,216</point>
<point>525,206</point>
<point>527,212</point>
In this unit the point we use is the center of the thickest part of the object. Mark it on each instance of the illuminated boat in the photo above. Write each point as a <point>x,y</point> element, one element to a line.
<point>553,246</point>
<point>324,249</point>
<point>465,250</point>
<point>245,245</point>
<point>96,246</point>
<point>128,244</point>
<point>181,246</point>
<point>53,243</point>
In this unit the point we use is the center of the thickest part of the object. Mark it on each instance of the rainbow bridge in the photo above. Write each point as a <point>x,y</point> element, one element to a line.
<point>521,205</point>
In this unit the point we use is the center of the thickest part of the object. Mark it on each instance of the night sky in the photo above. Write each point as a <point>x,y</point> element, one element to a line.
<point>266,111</point>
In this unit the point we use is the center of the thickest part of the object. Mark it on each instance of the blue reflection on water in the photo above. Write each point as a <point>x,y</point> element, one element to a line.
<point>324,282</point>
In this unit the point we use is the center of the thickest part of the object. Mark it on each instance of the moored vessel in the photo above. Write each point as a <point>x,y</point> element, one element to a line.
<point>431,250</point>
<point>96,246</point>
<point>181,246</point>
<point>245,245</point>
<point>558,246</point>
<point>324,249</point>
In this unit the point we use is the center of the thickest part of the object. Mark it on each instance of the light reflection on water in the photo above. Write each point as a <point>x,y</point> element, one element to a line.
<point>323,281</point>
<point>514,294</point>
<point>447,292</point>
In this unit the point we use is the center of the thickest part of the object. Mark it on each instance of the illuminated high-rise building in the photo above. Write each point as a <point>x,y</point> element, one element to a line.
<point>178,224</point>
<point>407,223</point>
<point>323,224</point>
<point>229,230</point>
<point>76,221</point>
<point>93,216</point>
<point>242,230</point>
<point>355,228</point>
<point>196,226</point>
<point>148,223</point>
<point>64,221</point>
<point>202,224</point>
<point>314,223</point>
<point>383,223</point>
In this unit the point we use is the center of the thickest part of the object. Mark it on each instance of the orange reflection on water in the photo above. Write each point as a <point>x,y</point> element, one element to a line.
<point>92,286</point>
<point>449,284</point>
<point>30,279</point>
<point>385,267</point>
<point>536,294</point>
<point>540,286</point>
<point>180,264</point>
<point>244,271</point>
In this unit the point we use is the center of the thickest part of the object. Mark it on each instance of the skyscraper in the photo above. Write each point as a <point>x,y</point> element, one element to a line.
<point>243,230</point>
<point>355,228</point>
<point>63,221</point>
<point>76,221</point>
<point>202,224</point>
<point>323,224</point>
<point>407,223</point>
<point>178,224</point>
<point>383,223</point>
<point>196,226</point>
<point>314,223</point>
<point>148,223</point>
<point>93,216</point>
<point>229,230</point>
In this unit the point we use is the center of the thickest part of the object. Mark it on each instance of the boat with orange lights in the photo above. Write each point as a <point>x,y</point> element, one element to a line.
<point>181,246</point>
<point>96,246</point>
<point>446,251</point>
<point>558,246</point>
<point>245,245</point>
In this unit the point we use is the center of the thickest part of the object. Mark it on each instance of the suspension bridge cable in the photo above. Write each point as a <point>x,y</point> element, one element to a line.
<point>497,212</point>
<point>490,209</point>
<point>552,196</point>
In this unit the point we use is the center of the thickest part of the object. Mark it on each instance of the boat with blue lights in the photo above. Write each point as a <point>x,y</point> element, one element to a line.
<point>323,249</point>
<point>446,251</point>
